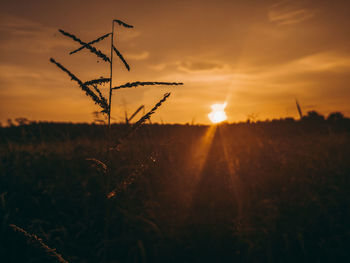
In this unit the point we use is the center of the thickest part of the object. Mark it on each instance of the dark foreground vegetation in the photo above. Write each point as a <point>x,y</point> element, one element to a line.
<point>274,191</point>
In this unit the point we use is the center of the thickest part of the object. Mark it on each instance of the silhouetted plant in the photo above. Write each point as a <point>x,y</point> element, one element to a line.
<point>96,95</point>
<point>299,109</point>
<point>91,89</point>
<point>128,119</point>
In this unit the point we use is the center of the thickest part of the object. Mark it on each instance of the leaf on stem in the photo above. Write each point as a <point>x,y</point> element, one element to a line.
<point>90,43</point>
<point>148,83</point>
<point>91,48</point>
<point>121,58</point>
<point>121,23</point>
<point>99,101</point>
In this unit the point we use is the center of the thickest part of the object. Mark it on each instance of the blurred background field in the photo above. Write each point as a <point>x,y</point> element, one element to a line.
<point>273,191</point>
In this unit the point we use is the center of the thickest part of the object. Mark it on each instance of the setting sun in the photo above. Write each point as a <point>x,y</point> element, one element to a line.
<point>218,113</point>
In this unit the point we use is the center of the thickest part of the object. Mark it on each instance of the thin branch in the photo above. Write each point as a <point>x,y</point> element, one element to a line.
<point>90,43</point>
<point>91,48</point>
<point>148,83</point>
<point>121,23</point>
<point>121,58</point>
<point>102,103</point>
<point>39,241</point>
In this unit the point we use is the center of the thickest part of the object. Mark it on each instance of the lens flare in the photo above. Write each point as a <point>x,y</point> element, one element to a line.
<point>218,113</point>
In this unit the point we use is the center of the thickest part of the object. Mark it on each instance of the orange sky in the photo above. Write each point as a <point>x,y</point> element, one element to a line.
<point>256,55</point>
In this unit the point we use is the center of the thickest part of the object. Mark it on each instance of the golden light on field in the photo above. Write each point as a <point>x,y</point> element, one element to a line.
<point>218,113</point>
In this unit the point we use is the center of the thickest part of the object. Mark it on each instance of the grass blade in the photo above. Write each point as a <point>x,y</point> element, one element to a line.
<point>135,113</point>
<point>121,23</point>
<point>94,84</point>
<point>121,58</point>
<point>91,48</point>
<point>99,93</point>
<point>138,124</point>
<point>97,81</point>
<point>98,163</point>
<point>299,109</point>
<point>149,83</point>
<point>90,43</point>
<point>39,241</point>
<point>99,101</point>
<point>152,111</point>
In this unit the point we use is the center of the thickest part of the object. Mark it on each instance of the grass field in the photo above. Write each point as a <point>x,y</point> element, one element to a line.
<point>250,192</point>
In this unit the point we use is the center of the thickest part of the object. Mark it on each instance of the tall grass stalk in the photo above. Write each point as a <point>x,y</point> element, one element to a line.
<point>106,106</point>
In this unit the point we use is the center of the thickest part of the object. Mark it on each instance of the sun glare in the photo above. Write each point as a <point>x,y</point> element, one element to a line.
<point>218,113</point>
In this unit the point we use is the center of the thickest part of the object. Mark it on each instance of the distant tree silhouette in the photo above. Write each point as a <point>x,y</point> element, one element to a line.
<point>313,116</point>
<point>288,119</point>
<point>251,118</point>
<point>10,123</point>
<point>22,121</point>
<point>335,116</point>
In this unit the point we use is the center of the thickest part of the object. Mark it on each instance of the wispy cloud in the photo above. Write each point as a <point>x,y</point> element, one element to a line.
<point>325,61</point>
<point>331,62</point>
<point>10,23</point>
<point>199,65</point>
<point>288,13</point>
<point>26,35</point>
<point>158,67</point>
<point>137,56</point>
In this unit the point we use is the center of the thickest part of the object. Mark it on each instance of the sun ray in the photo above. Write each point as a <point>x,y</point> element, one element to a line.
<point>234,180</point>
<point>200,152</point>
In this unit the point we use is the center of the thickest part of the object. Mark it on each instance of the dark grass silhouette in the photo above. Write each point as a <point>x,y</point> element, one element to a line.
<point>292,205</point>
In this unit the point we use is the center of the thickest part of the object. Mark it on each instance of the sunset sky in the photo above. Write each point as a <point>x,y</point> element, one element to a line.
<point>258,56</point>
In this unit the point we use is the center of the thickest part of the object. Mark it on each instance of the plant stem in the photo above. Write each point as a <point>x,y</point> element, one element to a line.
<point>110,84</point>
<point>109,135</point>
<point>108,173</point>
